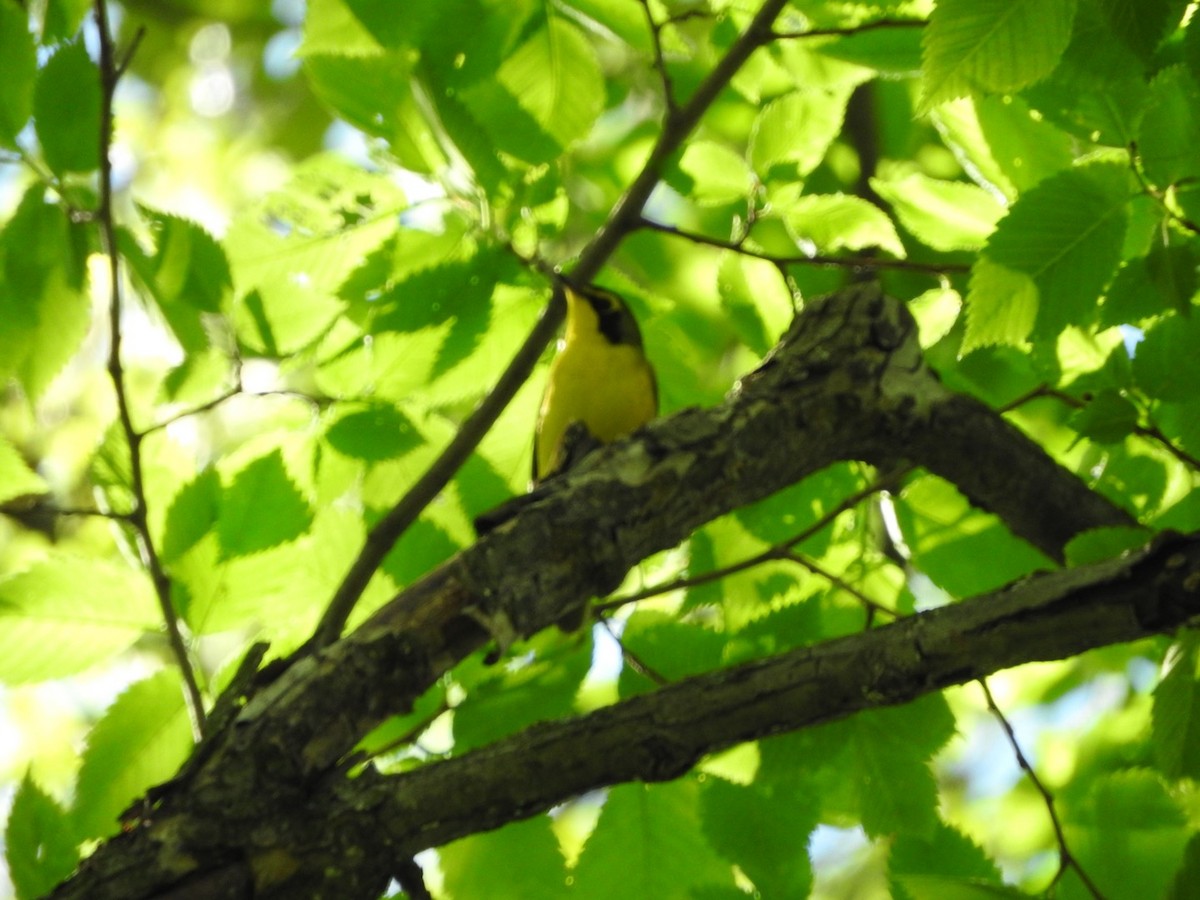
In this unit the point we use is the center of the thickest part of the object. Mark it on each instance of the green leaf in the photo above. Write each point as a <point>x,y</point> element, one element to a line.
<point>1187,879</point>
<point>718,174</point>
<point>43,630</point>
<point>837,221</point>
<point>890,753</point>
<point>1143,24</point>
<point>39,843</point>
<point>141,740</point>
<point>1098,544</point>
<point>797,130</point>
<point>376,432</point>
<point>66,110</point>
<point>1175,734</point>
<point>19,53</point>
<point>1128,834</point>
<point>1167,364</point>
<point>527,854</point>
<point>764,835</point>
<point>1169,134</point>
<point>1107,418</point>
<point>261,508</point>
<point>63,18</point>
<point>291,253</point>
<point>1002,306</point>
<point>946,861</point>
<point>893,51</point>
<point>17,480</point>
<point>543,688</point>
<point>993,45</point>
<point>192,514</point>
<point>1065,234</point>
<point>648,843</point>
<point>44,312</point>
<point>554,78</point>
<point>1026,147</point>
<point>757,303</point>
<point>948,537</point>
<point>946,215</point>
<point>1098,91</point>
<point>1173,271</point>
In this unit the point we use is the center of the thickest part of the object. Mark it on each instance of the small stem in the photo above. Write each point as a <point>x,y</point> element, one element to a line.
<point>841,262</point>
<point>1066,860</point>
<point>109,76</point>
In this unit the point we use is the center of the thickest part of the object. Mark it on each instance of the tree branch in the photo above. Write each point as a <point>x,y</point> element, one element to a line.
<point>846,382</point>
<point>374,819</point>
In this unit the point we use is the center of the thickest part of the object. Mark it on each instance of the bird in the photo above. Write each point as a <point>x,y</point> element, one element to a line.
<point>600,378</point>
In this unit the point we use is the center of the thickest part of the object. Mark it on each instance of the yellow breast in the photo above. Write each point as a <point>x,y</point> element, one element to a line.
<point>608,387</point>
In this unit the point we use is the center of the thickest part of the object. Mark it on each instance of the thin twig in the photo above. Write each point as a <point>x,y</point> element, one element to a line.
<point>782,550</point>
<point>841,262</point>
<point>109,76</point>
<point>850,30</point>
<point>872,606</point>
<point>622,220</point>
<point>1150,432</point>
<point>1066,860</point>
<point>634,661</point>
<point>1156,194</point>
<point>660,62</point>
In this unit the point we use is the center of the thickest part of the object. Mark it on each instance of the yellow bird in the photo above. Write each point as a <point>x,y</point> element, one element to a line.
<point>600,378</point>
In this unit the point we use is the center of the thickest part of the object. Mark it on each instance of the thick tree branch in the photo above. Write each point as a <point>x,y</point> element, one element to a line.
<point>846,382</point>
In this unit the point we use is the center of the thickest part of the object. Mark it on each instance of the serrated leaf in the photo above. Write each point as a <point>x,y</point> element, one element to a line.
<point>554,78</point>
<point>1167,364</point>
<point>947,860</point>
<point>1142,24</point>
<point>1065,234</point>
<point>766,836</point>
<point>993,45</point>
<point>1107,418</point>
<point>936,312</point>
<point>1002,306</point>
<point>192,514</point>
<point>1173,271</point>
<point>758,305</point>
<point>527,852</point>
<point>946,215</point>
<point>39,843</point>
<point>141,740</point>
<point>65,614</point>
<point>375,433</point>
<point>890,751</point>
<point>1175,732</point>
<point>261,508</point>
<point>504,702</point>
<point>189,265</point>
<point>838,221</point>
<point>718,174</point>
<point>1098,544</point>
<point>797,129</point>
<point>291,253</point>
<point>1169,134</point>
<point>648,843</point>
<point>44,312</point>
<point>19,53</point>
<point>66,110</point>
<point>17,480</point>
<point>1129,835</point>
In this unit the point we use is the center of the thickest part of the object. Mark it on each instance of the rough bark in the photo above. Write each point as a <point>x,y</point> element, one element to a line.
<point>847,381</point>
